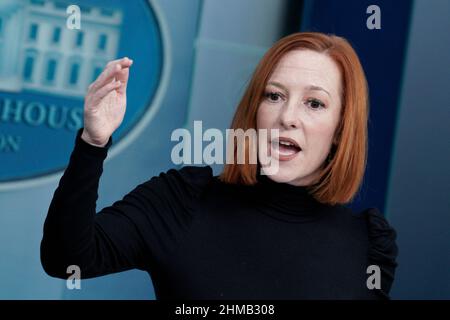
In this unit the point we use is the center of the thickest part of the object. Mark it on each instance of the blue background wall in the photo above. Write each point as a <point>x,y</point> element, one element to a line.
<point>418,197</point>
<point>382,55</point>
<point>407,64</point>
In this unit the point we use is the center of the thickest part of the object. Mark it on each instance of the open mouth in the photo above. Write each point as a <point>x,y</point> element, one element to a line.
<point>285,148</point>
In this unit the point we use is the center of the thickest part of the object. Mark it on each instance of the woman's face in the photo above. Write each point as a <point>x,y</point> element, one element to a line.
<point>302,100</point>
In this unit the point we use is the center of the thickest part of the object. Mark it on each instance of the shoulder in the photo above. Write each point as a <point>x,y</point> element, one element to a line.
<point>195,176</point>
<point>177,189</point>
<point>383,249</point>
<point>382,237</point>
<point>376,227</point>
<point>370,231</point>
<point>188,180</point>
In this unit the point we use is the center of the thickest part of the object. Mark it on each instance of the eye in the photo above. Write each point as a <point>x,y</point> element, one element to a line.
<point>272,96</point>
<point>315,103</point>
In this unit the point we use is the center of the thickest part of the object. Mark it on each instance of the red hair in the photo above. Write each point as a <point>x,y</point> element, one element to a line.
<point>341,175</point>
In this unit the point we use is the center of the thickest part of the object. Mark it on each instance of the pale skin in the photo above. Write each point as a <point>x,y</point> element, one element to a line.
<point>105,102</point>
<point>303,101</point>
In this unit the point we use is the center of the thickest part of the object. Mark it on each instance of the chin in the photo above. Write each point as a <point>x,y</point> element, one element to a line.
<point>286,175</point>
<point>294,173</point>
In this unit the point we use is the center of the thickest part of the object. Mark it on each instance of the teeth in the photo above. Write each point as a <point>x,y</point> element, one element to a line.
<point>286,143</point>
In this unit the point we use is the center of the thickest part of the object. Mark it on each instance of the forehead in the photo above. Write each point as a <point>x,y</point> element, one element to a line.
<point>306,67</point>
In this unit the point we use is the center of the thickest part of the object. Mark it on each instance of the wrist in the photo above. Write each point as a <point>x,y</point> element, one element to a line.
<point>87,139</point>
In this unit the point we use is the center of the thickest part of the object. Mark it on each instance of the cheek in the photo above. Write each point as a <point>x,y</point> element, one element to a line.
<point>319,137</point>
<point>265,118</point>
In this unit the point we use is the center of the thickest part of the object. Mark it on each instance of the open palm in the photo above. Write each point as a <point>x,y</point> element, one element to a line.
<point>105,103</point>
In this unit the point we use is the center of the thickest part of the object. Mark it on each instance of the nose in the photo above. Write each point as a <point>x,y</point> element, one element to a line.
<point>289,117</point>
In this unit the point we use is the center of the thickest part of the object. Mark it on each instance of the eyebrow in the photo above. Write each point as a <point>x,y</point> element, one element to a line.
<point>311,87</point>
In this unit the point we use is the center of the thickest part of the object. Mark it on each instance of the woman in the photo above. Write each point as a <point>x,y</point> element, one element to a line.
<point>243,234</point>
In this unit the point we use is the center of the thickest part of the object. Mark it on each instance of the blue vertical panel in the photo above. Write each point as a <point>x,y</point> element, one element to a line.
<point>419,189</point>
<point>382,55</point>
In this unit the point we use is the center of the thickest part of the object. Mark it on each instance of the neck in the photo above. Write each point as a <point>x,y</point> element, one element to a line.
<point>288,201</point>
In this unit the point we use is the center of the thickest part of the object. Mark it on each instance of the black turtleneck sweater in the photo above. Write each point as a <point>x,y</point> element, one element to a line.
<point>200,238</point>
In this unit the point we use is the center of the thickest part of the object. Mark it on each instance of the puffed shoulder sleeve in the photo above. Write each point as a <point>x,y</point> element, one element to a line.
<point>383,249</point>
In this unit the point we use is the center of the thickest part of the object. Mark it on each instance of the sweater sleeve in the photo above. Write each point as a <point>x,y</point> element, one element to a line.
<point>383,249</point>
<point>135,232</point>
